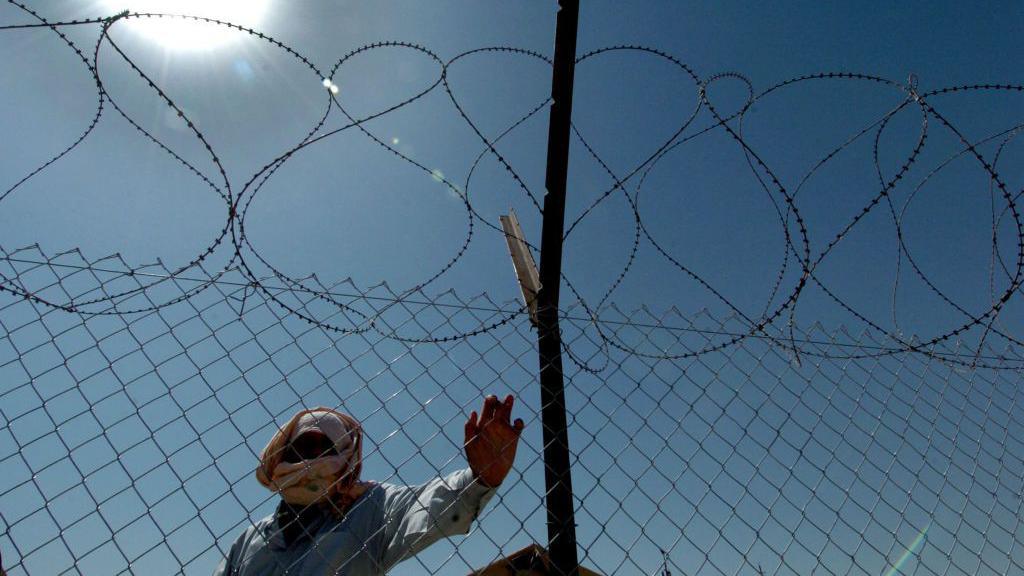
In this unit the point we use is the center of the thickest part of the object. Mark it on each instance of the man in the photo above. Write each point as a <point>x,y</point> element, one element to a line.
<point>331,522</point>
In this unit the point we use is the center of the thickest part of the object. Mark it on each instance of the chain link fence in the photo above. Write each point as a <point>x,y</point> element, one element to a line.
<point>135,400</point>
<point>129,441</point>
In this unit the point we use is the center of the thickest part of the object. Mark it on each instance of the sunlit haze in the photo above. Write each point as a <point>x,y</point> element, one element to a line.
<point>182,34</point>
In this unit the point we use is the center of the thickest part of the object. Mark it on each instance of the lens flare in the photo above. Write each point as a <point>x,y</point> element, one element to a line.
<point>897,566</point>
<point>186,34</point>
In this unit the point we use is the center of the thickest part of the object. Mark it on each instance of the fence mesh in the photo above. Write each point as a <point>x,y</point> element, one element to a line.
<point>129,441</point>
<point>135,400</point>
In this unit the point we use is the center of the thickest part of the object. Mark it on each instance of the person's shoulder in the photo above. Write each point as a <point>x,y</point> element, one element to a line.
<point>369,502</point>
<point>260,527</point>
<point>385,489</point>
<point>457,479</point>
<point>251,534</point>
<point>265,521</point>
<point>368,490</point>
<point>388,493</point>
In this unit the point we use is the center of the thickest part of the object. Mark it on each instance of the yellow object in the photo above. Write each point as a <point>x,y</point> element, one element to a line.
<point>530,561</point>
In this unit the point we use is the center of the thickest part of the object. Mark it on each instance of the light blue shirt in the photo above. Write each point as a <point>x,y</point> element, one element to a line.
<point>386,525</point>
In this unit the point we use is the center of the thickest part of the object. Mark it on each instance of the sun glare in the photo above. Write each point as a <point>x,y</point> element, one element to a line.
<point>183,34</point>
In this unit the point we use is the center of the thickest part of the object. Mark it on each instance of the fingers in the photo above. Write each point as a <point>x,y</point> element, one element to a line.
<point>471,427</point>
<point>505,413</point>
<point>497,410</point>
<point>491,406</point>
<point>519,425</point>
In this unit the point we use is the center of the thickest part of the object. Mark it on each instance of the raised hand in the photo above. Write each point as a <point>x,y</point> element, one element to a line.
<point>491,442</point>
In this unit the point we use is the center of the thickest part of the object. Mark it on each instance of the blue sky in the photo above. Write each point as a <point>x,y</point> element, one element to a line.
<point>252,102</point>
<point>347,208</point>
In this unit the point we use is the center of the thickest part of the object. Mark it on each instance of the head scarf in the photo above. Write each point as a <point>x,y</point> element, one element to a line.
<point>332,478</point>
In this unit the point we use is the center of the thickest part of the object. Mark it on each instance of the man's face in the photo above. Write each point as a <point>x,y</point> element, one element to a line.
<point>307,446</point>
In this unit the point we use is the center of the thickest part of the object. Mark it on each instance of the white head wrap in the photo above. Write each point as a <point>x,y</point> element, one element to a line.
<point>334,477</point>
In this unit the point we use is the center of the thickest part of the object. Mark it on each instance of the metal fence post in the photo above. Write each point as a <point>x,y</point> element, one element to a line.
<point>557,475</point>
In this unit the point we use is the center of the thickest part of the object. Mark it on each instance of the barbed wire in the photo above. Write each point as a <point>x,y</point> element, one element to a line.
<point>729,442</point>
<point>798,247</point>
<point>512,310</point>
<point>238,206</point>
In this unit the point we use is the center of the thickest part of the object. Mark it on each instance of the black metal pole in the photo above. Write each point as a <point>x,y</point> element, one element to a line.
<point>557,475</point>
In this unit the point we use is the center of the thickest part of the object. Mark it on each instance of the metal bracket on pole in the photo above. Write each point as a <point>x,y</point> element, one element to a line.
<point>557,474</point>
<point>522,261</point>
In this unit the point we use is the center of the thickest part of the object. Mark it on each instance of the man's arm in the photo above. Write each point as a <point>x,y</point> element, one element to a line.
<point>417,516</point>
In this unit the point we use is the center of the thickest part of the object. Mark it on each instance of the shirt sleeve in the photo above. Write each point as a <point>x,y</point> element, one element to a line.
<point>227,566</point>
<point>417,516</point>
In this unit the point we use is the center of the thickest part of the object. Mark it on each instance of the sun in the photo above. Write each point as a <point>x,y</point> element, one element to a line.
<point>181,34</point>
